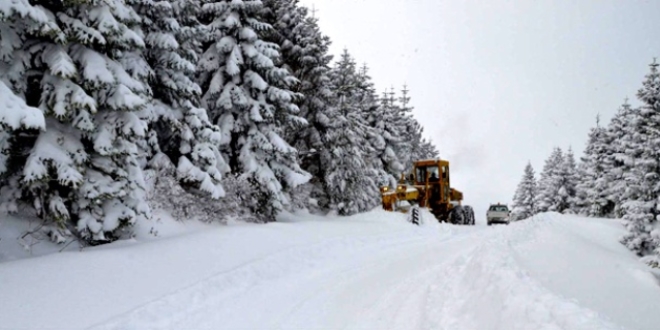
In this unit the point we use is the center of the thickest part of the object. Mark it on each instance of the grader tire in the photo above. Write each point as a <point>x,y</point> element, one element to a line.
<point>414,215</point>
<point>461,215</point>
<point>456,215</point>
<point>469,215</point>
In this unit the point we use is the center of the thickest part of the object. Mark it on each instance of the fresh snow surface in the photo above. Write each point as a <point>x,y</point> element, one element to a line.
<point>369,271</point>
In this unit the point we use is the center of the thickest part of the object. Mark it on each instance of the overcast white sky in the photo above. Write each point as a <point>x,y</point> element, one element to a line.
<point>498,83</point>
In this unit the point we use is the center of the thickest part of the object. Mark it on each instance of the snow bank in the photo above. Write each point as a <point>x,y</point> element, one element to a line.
<point>582,259</point>
<point>22,238</point>
<point>15,243</point>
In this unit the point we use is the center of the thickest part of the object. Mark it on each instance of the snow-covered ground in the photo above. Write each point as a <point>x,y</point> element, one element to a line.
<point>370,271</point>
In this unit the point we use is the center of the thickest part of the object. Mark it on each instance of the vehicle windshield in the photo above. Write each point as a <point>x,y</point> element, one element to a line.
<point>432,171</point>
<point>499,208</point>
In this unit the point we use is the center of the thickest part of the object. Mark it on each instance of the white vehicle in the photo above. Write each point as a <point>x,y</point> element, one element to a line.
<point>498,213</point>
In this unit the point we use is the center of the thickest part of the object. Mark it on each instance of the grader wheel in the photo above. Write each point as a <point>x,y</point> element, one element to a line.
<point>461,215</point>
<point>456,216</point>
<point>415,217</point>
<point>469,215</point>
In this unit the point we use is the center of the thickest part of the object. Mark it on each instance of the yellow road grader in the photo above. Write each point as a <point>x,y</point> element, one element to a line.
<point>428,187</point>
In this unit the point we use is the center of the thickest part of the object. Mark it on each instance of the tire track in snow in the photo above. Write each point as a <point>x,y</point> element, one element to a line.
<point>488,289</point>
<point>354,297</point>
<point>469,278</point>
<point>220,288</point>
<point>402,306</point>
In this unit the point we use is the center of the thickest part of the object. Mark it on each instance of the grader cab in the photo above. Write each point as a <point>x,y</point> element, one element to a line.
<point>428,186</point>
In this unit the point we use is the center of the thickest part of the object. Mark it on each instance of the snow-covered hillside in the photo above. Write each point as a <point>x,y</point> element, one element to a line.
<point>369,271</point>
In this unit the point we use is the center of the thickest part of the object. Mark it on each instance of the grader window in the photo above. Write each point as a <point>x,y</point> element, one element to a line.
<point>432,171</point>
<point>434,176</point>
<point>421,174</point>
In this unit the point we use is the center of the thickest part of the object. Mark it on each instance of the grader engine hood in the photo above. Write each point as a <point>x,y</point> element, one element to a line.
<point>456,195</point>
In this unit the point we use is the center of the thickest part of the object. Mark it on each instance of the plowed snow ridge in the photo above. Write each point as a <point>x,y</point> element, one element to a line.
<point>375,271</point>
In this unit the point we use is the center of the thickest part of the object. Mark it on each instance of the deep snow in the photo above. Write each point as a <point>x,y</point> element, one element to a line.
<point>369,271</point>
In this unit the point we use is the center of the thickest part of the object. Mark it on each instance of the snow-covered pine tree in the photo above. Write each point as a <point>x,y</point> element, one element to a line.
<point>411,131</point>
<point>643,177</point>
<point>376,153</point>
<point>525,196</point>
<point>304,52</point>
<point>567,183</point>
<point>250,98</point>
<point>387,123</point>
<point>350,176</point>
<point>84,167</point>
<point>428,150</point>
<point>20,22</point>
<point>15,117</point>
<point>406,128</point>
<point>592,180</point>
<point>178,124</point>
<point>414,146</point>
<point>619,136</point>
<point>547,198</point>
<point>415,136</point>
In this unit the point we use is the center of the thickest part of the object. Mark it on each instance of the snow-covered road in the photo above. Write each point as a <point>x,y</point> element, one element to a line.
<point>372,271</point>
